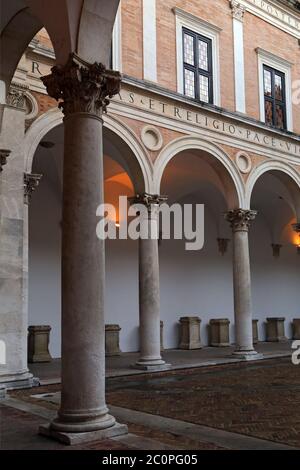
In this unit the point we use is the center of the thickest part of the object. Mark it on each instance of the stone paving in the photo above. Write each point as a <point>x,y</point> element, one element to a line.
<point>259,399</point>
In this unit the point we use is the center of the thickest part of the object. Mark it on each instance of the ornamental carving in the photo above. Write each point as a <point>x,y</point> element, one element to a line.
<point>82,87</point>
<point>31,182</point>
<point>240,219</point>
<point>17,95</point>
<point>238,10</point>
<point>148,199</point>
<point>3,156</point>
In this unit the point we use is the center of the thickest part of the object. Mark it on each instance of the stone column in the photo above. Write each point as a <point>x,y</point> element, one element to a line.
<point>83,90</point>
<point>149,295</point>
<point>240,220</point>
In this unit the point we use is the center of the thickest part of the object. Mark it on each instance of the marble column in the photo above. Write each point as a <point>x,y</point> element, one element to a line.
<point>83,90</point>
<point>240,220</point>
<point>149,289</point>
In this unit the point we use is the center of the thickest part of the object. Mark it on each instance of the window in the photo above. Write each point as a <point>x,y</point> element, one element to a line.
<point>275,90</point>
<point>197,57</point>
<point>197,66</point>
<point>274,97</point>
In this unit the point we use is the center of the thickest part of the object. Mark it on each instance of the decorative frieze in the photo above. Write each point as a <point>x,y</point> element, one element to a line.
<point>4,154</point>
<point>240,219</point>
<point>81,87</point>
<point>31,182</point>
<point>238,10</point>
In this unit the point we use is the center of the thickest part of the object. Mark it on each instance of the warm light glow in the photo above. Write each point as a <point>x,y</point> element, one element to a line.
<point>118,224</point>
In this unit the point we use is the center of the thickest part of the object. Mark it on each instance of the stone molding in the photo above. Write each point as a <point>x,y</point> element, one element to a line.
<point>238,10</point>
<point>31,182</point>
<point>81,87</point>
<point>240,219</point>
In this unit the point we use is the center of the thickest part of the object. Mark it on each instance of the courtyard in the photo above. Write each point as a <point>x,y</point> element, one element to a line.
<point>229,406</point>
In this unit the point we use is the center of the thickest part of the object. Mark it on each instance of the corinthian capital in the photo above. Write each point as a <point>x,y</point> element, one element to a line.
<point>240,219</point>
<point>82,87</point>
<point>238,10</point>
<point>148,199</point>
<point>31,182</point>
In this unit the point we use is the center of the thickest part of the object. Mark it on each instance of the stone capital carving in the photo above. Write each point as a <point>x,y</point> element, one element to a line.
<point>82,87</point>
<point>240,219</point>
<point>31,182</point>
<point>238,10</point>
<point>17,95</point>
<point>4,154</point>
<point>296,227</point>
<point>148,200</point>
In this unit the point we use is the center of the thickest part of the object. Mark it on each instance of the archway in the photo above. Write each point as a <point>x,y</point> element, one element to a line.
<point>192,171</point>
<point>273,189</point>
<point>123,175</point>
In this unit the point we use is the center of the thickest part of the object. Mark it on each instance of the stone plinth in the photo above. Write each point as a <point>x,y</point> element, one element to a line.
<point>162,336</point>
<point>296,328</point>
<point>112,340</point>
<point>275,329</point>
<point>255,331</point>
<point>190,333</point>
<point>219,332</point>
<point>38,343</point>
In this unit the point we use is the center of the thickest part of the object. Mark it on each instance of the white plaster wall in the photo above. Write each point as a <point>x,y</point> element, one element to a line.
<point>44,301</point>
<point>192,283</point>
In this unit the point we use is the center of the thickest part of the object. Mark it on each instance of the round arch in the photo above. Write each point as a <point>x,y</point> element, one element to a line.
<point>286,173</point>
<point>235,198</point>
<point>142,166</point>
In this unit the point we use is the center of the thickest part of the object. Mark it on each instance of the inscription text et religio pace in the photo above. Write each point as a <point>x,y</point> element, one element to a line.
<point>208,122</point>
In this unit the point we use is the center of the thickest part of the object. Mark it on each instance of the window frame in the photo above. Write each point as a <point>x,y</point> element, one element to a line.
<point>268,59</point>
<point>203,28</point>
<point>272,99</point>
<point>196,68</point>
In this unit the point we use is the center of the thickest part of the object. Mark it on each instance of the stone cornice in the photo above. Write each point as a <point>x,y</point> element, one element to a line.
<point>82,87</point>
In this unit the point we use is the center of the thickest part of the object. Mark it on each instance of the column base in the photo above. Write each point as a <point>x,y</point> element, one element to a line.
<point>151,366</point>
<point>15,381</point>
<point>72,438</point>
<point>248,355</point>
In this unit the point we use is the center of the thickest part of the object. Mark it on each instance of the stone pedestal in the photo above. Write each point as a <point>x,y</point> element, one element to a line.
<point>162,336</point>
<point>275,329</point>
<point>190,333</point>
<point>219,332</point>
<point>112,341</point>
<point>255,331</point>
<point>38,343</point>
<point>296,328</point>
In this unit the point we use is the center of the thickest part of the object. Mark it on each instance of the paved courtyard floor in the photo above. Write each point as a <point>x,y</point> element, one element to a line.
<point>227,406</point>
